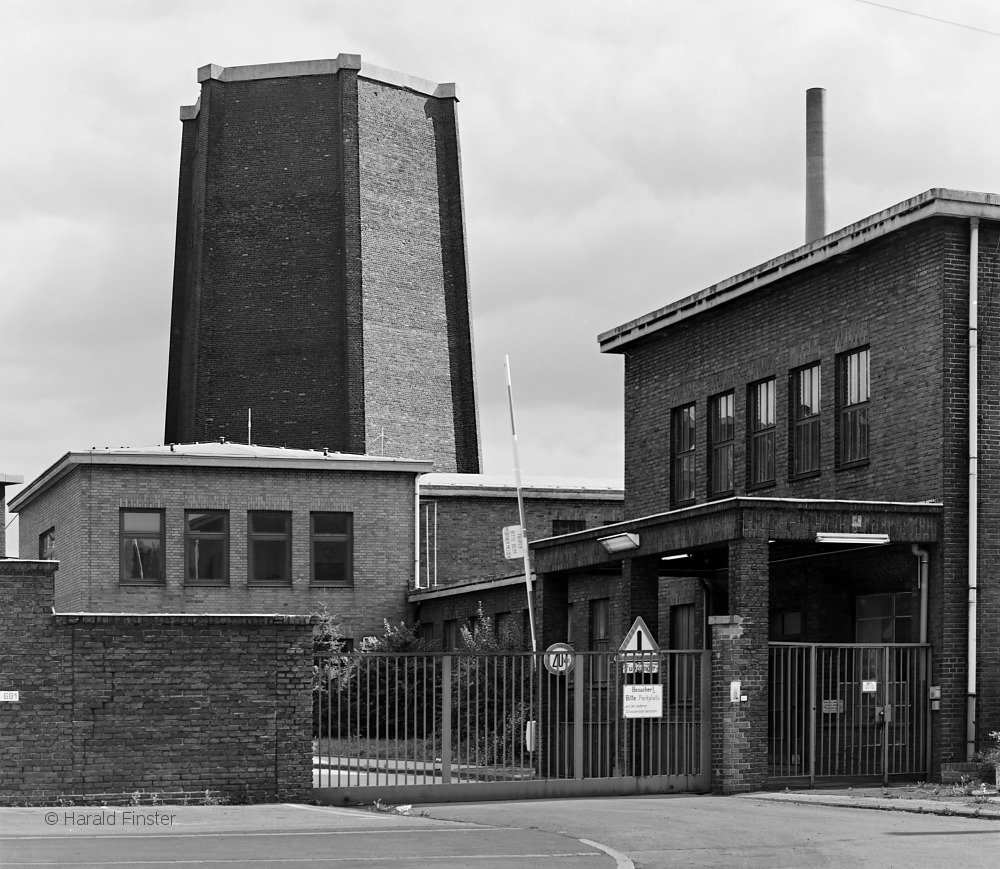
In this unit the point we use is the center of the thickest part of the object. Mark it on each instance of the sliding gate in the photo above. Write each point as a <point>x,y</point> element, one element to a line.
<point>848,712</point>
<point>418,728</point>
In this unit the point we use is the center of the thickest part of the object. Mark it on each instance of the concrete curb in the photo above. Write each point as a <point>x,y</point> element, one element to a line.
<point>954,808</point>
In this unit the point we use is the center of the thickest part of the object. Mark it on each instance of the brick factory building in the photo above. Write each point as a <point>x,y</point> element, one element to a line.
<point>321,295</point>
<point>799,444</point>
<point>226,528</point>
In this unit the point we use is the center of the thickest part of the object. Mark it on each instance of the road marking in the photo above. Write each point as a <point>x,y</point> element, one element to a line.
<point>622,861</point>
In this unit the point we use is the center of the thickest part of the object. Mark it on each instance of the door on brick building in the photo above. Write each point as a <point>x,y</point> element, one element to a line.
<point>848,712</point>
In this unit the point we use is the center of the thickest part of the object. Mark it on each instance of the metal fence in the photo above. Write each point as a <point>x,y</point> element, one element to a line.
<point>848,711</point>
<point>424,722</point>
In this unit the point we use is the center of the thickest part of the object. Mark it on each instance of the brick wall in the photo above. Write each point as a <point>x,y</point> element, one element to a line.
<point>84,507</point>
<point>165,704</point>
<point>470,530</point>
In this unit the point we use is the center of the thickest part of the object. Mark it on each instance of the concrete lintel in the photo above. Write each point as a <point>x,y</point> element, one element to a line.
<point>725,620</point>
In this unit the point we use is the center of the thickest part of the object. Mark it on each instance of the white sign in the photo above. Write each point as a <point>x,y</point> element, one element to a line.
<point>869,686</point>
<point>640,664</point>
<point>734,692</point>
<point>513,542</point>
<point>10,696</point>
<point>642,701</point>
<point>559,659</point>
<point>833,707</point>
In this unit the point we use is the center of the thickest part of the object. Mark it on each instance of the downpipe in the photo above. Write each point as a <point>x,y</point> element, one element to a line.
<point>970,713</point>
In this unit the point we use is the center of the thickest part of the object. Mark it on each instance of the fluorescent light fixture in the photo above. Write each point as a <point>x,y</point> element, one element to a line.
<point>848,537</point>
<point>675,557</point>
<point>619,542</point>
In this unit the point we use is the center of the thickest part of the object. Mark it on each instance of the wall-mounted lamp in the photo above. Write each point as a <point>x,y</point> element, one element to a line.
<point>847,537</point>
<point>619,542</point>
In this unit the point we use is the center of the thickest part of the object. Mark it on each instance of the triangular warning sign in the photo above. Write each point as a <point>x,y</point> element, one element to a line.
<point>639,639</point>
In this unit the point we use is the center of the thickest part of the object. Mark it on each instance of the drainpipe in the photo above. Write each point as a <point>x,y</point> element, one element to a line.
<point>970,715</point>
<point>416,532</point>
<point>922,575</point>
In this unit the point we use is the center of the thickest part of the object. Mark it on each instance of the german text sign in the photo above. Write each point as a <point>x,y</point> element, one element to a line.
<point>513,542</point>
<point>642,701</point>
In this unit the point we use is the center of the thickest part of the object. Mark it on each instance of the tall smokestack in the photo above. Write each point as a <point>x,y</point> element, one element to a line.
<point>815,164</point>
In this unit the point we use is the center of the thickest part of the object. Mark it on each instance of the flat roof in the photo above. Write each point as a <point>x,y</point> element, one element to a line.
<point>937,202</point>
<point>504,486</point>
<point>295,68</point>
<point>10,480</point>
<point>216,454</point>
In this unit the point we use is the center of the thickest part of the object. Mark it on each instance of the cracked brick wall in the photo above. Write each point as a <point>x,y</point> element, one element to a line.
<point>111,704</point>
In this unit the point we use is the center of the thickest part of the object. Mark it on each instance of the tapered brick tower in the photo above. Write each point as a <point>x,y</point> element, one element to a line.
<point>320,277</point>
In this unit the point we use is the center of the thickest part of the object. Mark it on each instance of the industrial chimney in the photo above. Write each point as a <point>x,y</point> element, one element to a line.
<point>815,164</point>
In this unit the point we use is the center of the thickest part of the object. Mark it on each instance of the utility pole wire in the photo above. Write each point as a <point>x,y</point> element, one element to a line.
<point>929,17</point>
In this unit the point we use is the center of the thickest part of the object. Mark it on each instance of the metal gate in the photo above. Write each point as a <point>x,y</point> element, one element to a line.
<point>848,712</point>
<point>417,728</point>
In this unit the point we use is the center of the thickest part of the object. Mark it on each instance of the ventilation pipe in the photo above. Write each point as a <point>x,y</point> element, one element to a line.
<point>970,714</point>
<point>815,164</point>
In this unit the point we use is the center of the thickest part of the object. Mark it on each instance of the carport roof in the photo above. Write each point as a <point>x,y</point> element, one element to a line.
<point>779,519</point>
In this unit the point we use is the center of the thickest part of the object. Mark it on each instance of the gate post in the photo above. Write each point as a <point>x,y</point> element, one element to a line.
<point>740,655</point>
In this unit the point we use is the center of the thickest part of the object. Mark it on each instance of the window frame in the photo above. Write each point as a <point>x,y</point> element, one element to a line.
<point>265,537</point>
<point>600,641</point>
<point>207,536</point>
<point>854,414</point>
<point>47,544</point>
<point>761,434</point>
<point>683,453</point>
<point>722,444</point>
<point>805,425</point>
<point>160,538</point>
<point>345,538</point>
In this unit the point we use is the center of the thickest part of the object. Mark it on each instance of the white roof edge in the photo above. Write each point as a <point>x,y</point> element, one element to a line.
<point>11,479</point>
<point>293,460</point>
<point>936,202</point>
<point>155,615</point>
<point>436,591</point>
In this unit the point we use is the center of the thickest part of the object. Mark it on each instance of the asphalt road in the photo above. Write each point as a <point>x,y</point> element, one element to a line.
<point>618,833</point>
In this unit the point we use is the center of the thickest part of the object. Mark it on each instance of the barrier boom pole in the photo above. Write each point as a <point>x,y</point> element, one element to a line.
<point>520,508</point>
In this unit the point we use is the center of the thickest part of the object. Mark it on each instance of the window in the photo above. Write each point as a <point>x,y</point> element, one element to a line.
<point>884,618</point>
<point>206,547</point>
<point>805,420</point>
<point>682,446</point>
<point>722,435</point>
<point>332,548</point>
<point>785,624</point>
<point>853,394</point>
<point>141,537</point>
<point>682,632</point>
<point>269,547</point>
<point>600,636</point>
<point>449,635</point>
<point>567,526</point>
<point>762,433</point>
<point>47,544</point>
<point>569,623</point>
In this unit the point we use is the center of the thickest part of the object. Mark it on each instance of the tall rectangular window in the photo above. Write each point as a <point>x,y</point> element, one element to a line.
<point>884,618</point>
<point>600,636</point>
<point>762,433</point>
<point>141,546</point>
<point>722,437</point>
<point>805,420</point>
<point>853,394</point>
<point>682,451</point>
<point>332,537</point>
<point>47,544</point>
<point>206,547</point>
<point>269,547</point>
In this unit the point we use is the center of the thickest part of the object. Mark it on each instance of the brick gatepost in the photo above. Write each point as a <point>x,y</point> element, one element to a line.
<point>739,654</point>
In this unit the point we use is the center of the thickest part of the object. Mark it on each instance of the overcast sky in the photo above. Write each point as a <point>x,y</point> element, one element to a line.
<point>617,156</point>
